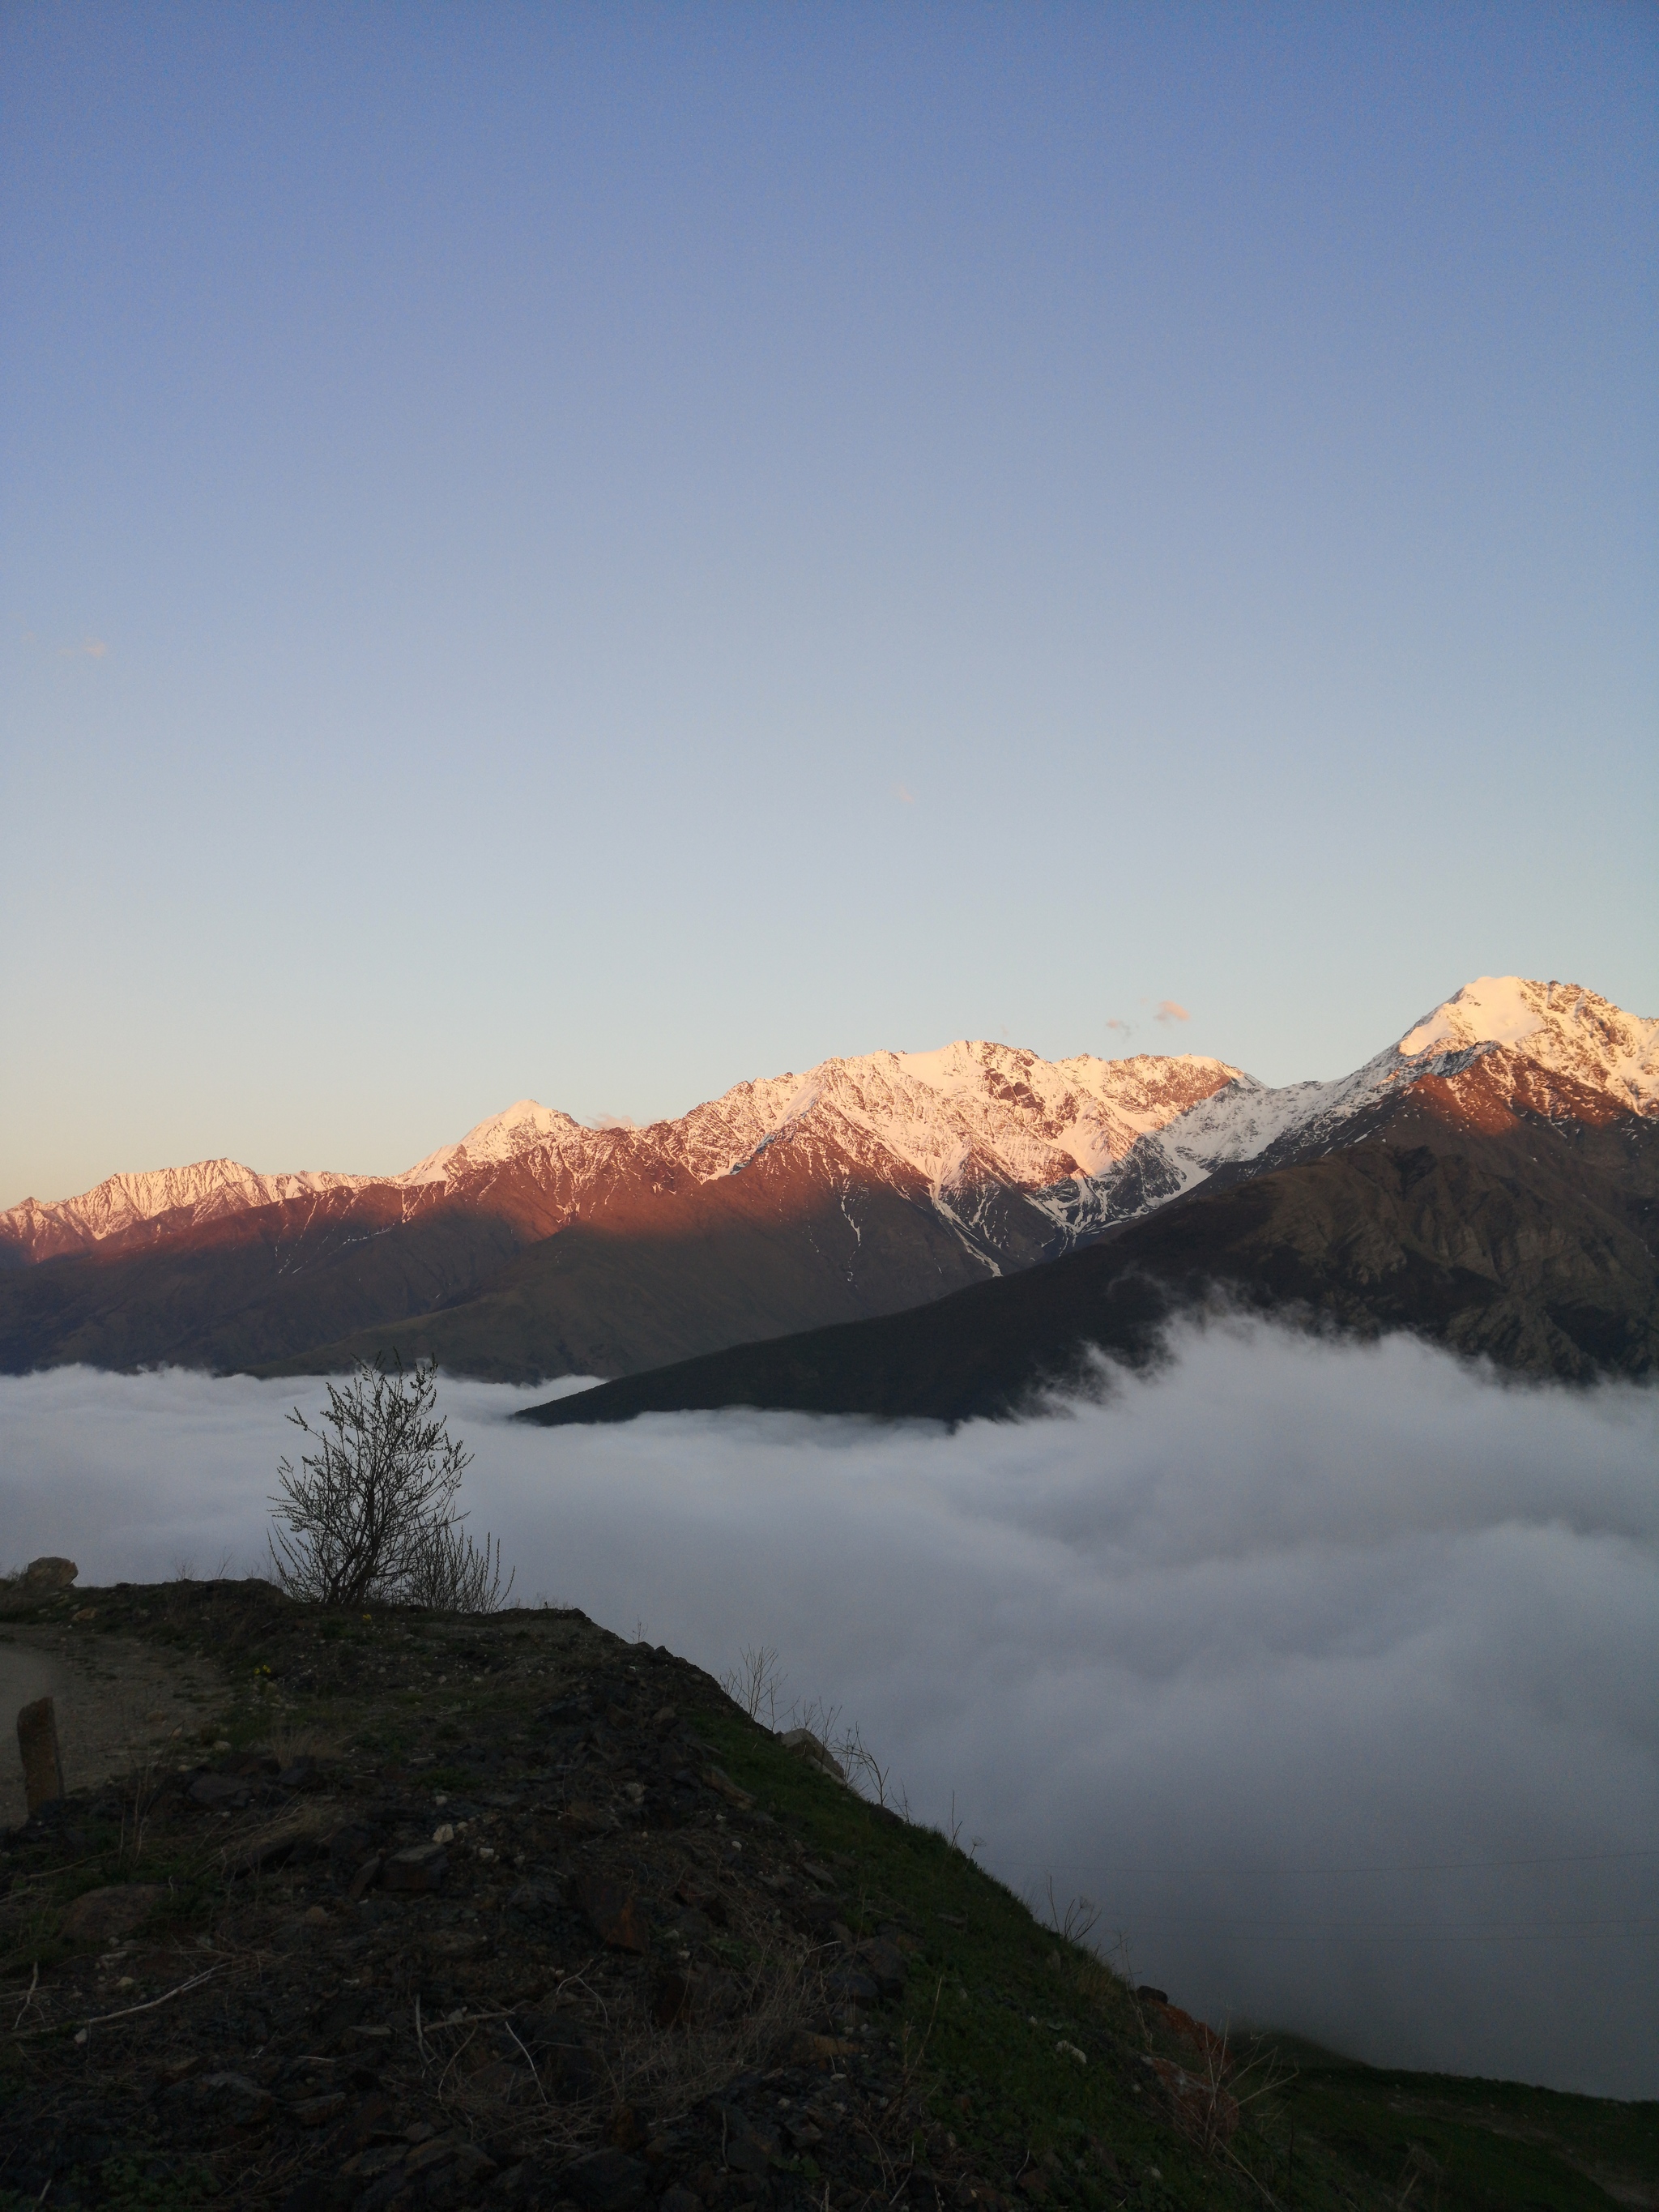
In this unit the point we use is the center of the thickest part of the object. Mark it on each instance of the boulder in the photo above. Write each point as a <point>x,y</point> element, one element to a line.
<point>41,1580</point>
<point>805,1745</point>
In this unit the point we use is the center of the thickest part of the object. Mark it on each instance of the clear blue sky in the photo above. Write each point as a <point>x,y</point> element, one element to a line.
<point>595,551</point>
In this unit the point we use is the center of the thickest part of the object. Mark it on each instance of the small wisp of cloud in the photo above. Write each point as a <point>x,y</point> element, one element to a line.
<point>1170,1009</point>
<point>90,649</point>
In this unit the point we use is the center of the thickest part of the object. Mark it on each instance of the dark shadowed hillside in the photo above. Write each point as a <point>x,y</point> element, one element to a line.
<point>1532,1245</point>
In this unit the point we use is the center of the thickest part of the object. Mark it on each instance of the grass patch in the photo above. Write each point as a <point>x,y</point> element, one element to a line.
<point>991,1992</point>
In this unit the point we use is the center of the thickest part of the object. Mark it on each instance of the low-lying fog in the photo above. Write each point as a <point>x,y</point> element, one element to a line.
<point>1332,1674</point>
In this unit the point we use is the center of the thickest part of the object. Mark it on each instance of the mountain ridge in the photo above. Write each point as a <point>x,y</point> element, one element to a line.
<point>534,1246</point>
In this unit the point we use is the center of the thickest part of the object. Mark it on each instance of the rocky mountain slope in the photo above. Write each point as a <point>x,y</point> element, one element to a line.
<point>1499,1197</point>
<point>502,1910</point>
<point>536,1247</point>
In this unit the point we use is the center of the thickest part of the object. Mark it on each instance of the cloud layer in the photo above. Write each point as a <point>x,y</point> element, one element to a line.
<point>1331,1673</point>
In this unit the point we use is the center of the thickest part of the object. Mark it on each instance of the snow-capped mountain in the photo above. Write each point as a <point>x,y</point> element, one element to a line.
<point>1563,1048</point>
<point>535,1245</point>
<point>960,1124</point>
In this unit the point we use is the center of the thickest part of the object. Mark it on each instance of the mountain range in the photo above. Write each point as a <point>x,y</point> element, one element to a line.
<point>934,1232</point>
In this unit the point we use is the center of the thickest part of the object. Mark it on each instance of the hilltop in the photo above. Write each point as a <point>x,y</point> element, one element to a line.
<point>504,1910</point>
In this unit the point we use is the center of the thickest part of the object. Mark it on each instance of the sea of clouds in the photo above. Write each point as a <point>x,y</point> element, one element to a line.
<point>1330,1674</point>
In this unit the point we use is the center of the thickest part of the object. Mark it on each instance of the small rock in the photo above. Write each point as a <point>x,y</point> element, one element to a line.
<point>439,2151</point>
<point>100,1914</point>
<point>614,1914</point>
<point>371,2118</point>
<point>363,1881</point>
<point>679,2199</point>
<point>421,1867</point>
<point>316,2112</point>
<point>885,1965</point>
<point>582,1819</point>
<point>220,1793</point>
<point>234,2098</point>
<point>607,2181</point>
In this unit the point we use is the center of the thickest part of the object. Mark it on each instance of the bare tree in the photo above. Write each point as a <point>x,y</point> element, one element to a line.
<point>371,1513</point>
<point>756,1682</point>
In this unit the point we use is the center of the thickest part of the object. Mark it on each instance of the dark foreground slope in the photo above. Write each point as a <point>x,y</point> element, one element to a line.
<point>657,1963</point>
<point>1531,1245</point>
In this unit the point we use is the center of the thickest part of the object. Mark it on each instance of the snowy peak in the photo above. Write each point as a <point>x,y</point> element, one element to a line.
<point>1558,1026</point>
<point>1013,1153</point>
<point>205,1191</point>
<point>970,1111</point>
<point>525,1125</point>
<point>1507,1023</point>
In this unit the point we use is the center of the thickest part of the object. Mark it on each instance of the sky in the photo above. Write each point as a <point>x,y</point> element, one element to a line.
<point>1329,1673</point>
<point>592,553</point>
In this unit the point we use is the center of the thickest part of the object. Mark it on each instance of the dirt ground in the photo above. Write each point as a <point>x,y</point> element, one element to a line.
<point>117,1700</point>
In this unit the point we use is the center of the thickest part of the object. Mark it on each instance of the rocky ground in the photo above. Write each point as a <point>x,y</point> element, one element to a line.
<point>510,1912</point>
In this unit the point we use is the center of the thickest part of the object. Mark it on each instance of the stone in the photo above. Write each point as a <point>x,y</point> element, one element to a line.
<point>607,2181</point>
<point>98,1914</point>
<point>317,2112</point>
<point>615,1915</point>
<point>364,1880</point>
<point>582,1819</point>
<point>420,1868</point>
<point>39,1582</point>
<point>437,2150</point>
<point>1202,2108</point>
<point>845,1985</point>
<point>806,1746</point>
<point>810,2049</point>
<point>37,1745</point>
<point>719,1780</point>
<point>625,2130</point>
<point>219,1793</point>
<point>884,1964</point>
<point>371,2118</point>
<point>679,2199</point>
<point>236,2099</point>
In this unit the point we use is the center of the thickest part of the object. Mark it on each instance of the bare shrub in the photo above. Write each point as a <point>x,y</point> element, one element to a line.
<point>370,1514</point>
<point>1075,1921</point>
<point>452,1574</point>
<point>756,1682</point>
